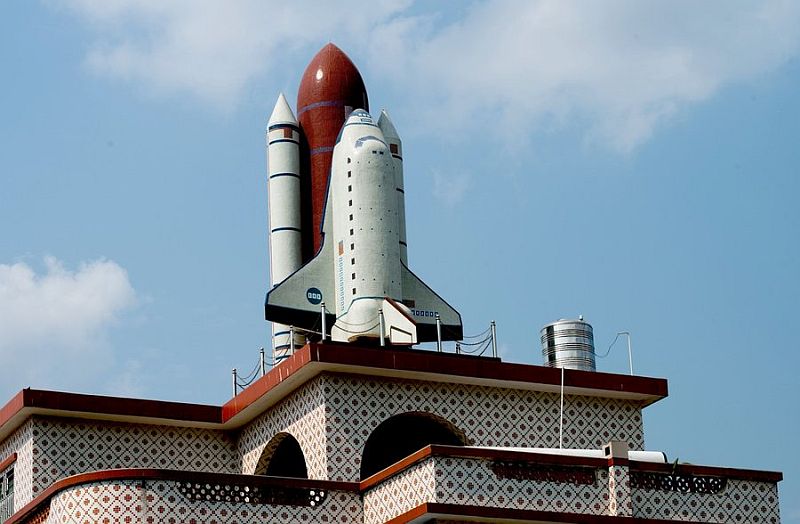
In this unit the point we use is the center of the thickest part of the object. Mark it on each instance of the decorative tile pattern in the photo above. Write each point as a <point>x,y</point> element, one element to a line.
<point>302,415</point>
<point>619,492</point>
<point>135,501</point>
<point>356,405</point>
<point>471,482</point>
<point>465,481</point>
<point>401,493</point>
<point>65,447</point>
<point>741,502</point>
<point>21,443</point>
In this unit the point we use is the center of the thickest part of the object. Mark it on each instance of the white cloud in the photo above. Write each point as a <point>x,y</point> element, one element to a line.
<point>53,323</point>
<point>212,49</point>
<point>450,189</point>
<point>618,69</point>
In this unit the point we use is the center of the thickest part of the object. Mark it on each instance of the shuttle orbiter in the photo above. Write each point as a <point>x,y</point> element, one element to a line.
<point>360,267</point>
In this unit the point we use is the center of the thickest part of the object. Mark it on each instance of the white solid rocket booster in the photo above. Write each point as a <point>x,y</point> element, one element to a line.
<point>283,145</point>
<point>396,150</point>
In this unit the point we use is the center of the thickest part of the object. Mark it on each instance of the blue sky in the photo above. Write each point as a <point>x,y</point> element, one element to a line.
<point>634,164</point>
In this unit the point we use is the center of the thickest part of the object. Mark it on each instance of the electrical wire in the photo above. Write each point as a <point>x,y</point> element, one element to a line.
<point>359,332</point>
<point>373,319</point>
<point>479,348</point>
<point>604,355</point>
<point>481,334</point>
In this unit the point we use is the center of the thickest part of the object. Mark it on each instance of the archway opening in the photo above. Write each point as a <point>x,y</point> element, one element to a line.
<point>283,457</point>
<point>401,435</point>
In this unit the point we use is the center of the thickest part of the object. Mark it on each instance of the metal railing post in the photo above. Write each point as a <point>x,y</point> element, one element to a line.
<point>438,333</point>
<point>494,339</point>
<point>263,363</point>
<point>233,373</point>
<point>630,354</point>
<point>324,322</point>
<point>382,327</point>
<point>291,340</point>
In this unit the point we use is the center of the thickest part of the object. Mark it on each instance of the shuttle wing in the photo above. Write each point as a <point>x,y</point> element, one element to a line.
<point>424,304</point>
<point>297,300</point>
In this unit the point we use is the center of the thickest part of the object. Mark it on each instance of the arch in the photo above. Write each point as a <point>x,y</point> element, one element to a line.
<point>282,457</point>
<point>401,435</point>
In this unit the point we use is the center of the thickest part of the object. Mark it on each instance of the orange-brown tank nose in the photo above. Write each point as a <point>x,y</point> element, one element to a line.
<point>330,89</point>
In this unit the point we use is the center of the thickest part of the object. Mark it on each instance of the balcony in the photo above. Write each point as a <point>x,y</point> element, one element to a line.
<point>443,482</point>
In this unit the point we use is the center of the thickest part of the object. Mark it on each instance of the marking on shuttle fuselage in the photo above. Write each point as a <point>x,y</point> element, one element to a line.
<point>314,295</point>
<point>360,141</point>
<point>340,276</point>
<point>423,313</point>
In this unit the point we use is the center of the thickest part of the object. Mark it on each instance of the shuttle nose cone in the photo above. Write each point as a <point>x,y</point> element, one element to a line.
<point>359,116</point>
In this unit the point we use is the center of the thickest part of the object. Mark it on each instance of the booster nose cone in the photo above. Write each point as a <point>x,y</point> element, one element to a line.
<point>330,89</point>
<point>386,125</point>
<point>282,113</point>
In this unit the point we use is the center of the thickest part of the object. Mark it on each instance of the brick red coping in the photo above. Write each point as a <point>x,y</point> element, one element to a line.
<point>435,450</point>
<point>103,405</point>
<point>420,361</point>
<point>522,515</point>
<point>174,475</point>
<point>8,461</point>
<point>350,358</point>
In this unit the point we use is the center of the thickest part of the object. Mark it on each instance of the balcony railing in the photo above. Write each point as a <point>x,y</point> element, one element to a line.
<point>534,486</point>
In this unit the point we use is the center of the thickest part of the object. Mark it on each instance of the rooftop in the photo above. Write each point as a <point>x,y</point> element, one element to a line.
<point>314,359</point>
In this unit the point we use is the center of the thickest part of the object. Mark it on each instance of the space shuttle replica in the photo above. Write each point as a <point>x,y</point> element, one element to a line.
<point>338,251</point>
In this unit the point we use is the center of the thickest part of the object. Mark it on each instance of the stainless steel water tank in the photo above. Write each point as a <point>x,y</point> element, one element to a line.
<point>568,344</point>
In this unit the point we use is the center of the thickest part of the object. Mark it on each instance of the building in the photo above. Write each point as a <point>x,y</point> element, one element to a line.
<point>364,430</point>
<point>349,434</point>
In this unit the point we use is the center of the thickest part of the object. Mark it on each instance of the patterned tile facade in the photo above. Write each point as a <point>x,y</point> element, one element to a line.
<point>469,481</point>
<point>356,405</point>
<point>745,502</point>
<point>162,502</point>
<point>619,492</point>
<point>302,415</point>
<point>401,493</point>
<point>65,447</point>
<point>21,443</point>
<point>331,417</point>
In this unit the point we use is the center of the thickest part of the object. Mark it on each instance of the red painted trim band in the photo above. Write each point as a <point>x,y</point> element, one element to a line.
<point>4,464</point>
<point>496,514</point>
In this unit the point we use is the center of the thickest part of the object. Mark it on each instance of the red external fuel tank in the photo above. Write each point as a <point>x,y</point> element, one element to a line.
<point>330,89</point>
